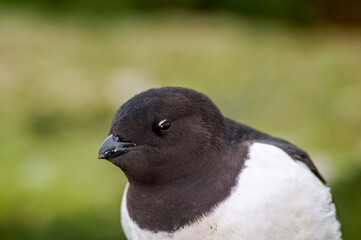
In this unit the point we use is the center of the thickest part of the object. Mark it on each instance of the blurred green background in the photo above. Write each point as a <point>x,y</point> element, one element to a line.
<point>289,68</point>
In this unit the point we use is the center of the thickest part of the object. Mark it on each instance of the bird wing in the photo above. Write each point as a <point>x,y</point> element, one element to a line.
<point>241,133</point>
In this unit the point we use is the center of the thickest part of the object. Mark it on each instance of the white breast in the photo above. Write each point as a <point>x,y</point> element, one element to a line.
<point>276,198</point>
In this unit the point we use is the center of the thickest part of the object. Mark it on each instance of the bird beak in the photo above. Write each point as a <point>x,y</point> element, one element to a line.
<point>112,147</point>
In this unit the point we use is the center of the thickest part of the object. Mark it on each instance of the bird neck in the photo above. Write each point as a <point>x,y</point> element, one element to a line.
<point>170,206</point>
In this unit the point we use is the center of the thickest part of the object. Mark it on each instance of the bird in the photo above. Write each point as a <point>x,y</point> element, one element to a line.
<point>194,174</point>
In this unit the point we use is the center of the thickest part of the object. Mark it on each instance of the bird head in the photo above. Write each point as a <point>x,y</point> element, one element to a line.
<point>163,134</point>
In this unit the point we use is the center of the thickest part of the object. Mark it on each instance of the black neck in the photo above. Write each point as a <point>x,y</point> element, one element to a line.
<point>167,207</point>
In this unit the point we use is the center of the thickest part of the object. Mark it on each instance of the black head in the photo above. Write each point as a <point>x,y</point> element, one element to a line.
<point>163,134</point>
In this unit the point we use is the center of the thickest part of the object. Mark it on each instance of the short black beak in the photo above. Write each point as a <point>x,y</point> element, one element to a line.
<point>112,147</point>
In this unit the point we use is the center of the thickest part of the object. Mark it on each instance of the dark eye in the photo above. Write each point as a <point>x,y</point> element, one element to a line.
<point>164,124</point>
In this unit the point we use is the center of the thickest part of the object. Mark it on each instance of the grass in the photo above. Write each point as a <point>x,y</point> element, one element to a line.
<point>63,77</point>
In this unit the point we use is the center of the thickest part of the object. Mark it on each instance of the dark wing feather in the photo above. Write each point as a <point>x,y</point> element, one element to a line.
<point>241,133</point>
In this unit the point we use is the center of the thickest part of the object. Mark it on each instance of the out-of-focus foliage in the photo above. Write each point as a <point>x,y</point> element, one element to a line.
<point>62,78</point>
<point>347,195</point>
<point>302,11</point>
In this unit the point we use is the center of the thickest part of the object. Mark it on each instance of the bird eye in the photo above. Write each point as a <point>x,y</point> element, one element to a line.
<point>164,124</point>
